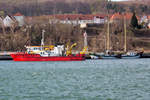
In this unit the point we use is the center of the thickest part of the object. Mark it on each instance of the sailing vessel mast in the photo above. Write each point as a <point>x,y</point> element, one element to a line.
<point>108,31</point>
<point>108,36</point>
<point>125,35</point>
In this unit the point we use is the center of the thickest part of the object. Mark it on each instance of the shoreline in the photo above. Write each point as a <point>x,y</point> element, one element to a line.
<point>6,55</point>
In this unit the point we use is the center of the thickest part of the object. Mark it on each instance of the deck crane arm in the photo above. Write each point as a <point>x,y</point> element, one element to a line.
<point>69,49</point>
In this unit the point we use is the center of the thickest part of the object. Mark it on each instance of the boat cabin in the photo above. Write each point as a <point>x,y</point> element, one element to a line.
<point>46,50</point>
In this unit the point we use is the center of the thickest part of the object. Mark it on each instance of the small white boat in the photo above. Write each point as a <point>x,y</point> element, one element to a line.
<point>130,55</point>
<point>94,57</point>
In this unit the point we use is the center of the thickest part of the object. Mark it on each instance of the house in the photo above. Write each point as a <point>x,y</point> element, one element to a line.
<point>77,19</point>
<point>119,16</point>
<point>144,19</point>
<point>85,19</point>
<point>98,20</point>
<point>116,17</point>
<point>17,20</point>
<point>149,17</point>
<point>20,19</point>
<point>128,16</point>
<point>9,21</point>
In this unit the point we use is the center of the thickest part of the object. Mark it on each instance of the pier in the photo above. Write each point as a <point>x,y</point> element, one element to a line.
<point>6,55</point>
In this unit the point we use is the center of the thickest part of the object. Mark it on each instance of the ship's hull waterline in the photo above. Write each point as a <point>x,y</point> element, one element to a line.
<point>37,57</point>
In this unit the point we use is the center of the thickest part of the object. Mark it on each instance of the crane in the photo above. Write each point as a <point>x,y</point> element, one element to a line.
<point>69,49</point>
<point>84,51</point>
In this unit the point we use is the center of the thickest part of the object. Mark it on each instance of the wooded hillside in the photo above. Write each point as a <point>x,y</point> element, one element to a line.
<point>15,39</point>
<point>45,7</point>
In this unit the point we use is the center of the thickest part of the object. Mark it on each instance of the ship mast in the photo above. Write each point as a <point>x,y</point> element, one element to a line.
<point>42,40</point>
<point>108,29</point>
<point>85,40</point>
<point>125,35</point>
<point>108,36</point>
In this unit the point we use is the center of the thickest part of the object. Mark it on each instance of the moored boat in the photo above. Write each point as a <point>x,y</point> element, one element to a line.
<point>109,55</point>
<point>131,55</point>
<point>145,55</point>
<point>38,57</point>
<point>5,57</point>
<point>48,53</point>
<point>37,53</point>
<point>93,56</point>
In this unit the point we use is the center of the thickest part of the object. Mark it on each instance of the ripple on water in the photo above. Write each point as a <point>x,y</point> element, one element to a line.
<point>85,80</point>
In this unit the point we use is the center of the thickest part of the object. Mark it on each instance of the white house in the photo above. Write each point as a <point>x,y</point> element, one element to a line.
<point>9,21</point>
<point>144,19</point>
<point>17,19</point>
<point>98,20</point>
<point>20,19</point>
<point>78,19</point>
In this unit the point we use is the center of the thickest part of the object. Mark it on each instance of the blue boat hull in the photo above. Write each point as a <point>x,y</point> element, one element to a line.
<point>130,57</point>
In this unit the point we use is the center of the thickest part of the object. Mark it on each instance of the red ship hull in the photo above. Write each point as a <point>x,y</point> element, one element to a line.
<point>37,57</point>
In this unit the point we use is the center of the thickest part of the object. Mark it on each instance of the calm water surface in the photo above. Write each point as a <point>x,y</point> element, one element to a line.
<point>86,80</point>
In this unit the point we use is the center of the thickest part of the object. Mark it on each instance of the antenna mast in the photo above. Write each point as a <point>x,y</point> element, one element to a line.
<point>42,40</point>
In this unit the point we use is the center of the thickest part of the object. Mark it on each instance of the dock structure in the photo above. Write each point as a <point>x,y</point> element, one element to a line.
<point>6,55</point>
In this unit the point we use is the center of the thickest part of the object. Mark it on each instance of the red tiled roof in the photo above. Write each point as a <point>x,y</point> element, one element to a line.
<point>18,14</point>
<point>119,16</point>
<point>116,16</point>
<point>76,16</point>
<point>148,17</point>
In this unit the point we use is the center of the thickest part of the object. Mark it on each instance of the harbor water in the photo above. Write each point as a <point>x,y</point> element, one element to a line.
<point>84,80</point>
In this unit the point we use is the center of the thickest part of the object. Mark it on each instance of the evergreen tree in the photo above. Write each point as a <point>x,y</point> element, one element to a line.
<point>134,21</point>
